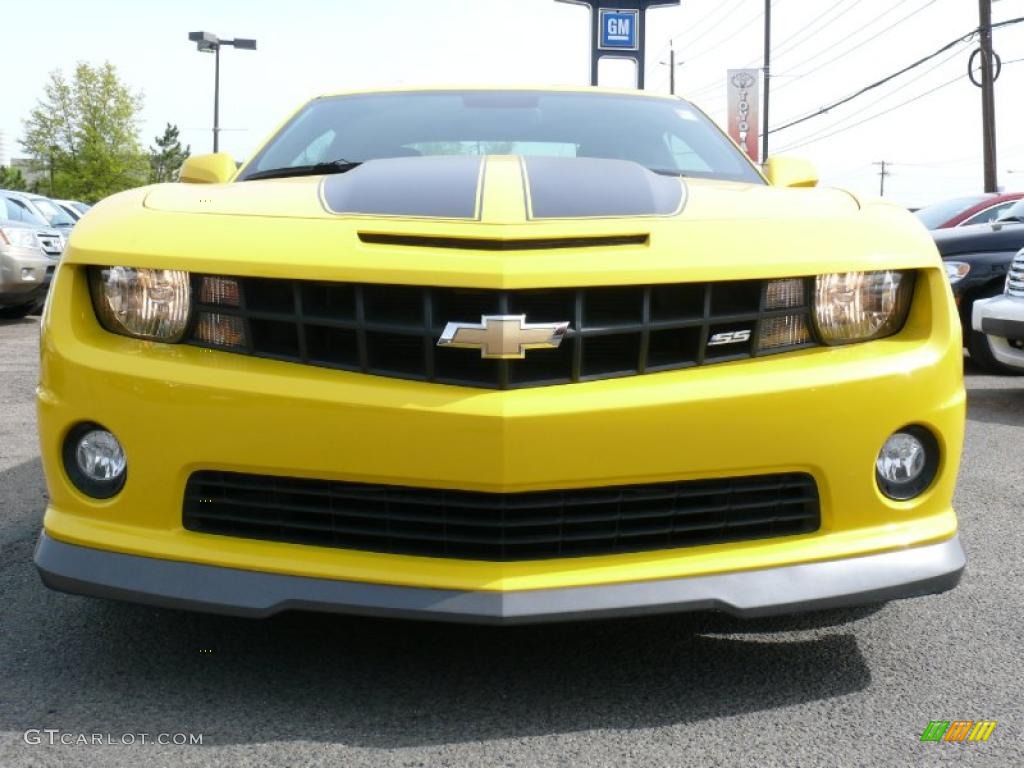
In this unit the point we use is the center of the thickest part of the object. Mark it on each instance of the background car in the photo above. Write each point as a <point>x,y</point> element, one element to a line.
<point>1001,319</point>
<point>29,253</point>
<point>25,270</point>
<point>51,214</point>
<point>964,211</point>
<point>74,208</point>
<point>977,258</point>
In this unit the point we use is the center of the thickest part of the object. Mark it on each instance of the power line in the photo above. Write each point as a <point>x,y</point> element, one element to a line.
<point>872,117</point>
<point>723,11</point>
<point>878,83</point>
<point>955,52</point>
<point>856,47</point>
<point>731,33</point>
<point>814,138</point>
<point>782,47</point>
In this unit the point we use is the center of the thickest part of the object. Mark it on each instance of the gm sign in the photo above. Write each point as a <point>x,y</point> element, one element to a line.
<point>617,29</point>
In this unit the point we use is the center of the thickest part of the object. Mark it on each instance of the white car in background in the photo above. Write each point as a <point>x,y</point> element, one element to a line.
<point>1001,318</point>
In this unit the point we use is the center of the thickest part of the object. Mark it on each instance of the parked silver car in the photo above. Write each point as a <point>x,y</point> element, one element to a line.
<point>44,208</point>
<point>29,254</point>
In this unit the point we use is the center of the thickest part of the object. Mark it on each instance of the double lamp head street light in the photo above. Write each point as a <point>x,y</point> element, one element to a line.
<point>207,42</point>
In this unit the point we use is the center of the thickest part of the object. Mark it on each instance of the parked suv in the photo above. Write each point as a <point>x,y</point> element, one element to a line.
<point>51,214</point>
<point>29,253</point>
<point>1001,319</point>
<point>25,271</point>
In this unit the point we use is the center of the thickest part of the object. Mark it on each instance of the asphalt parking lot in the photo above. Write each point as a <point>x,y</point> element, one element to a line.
<point>851,688</point>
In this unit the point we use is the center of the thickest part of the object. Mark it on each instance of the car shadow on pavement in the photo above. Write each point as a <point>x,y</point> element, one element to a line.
<point>87,665</point>
<point>998,406</point>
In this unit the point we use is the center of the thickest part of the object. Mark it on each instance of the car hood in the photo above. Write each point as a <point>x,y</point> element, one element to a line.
<point>980,238</point>
<point>498,190</point>
<point>501,221</point>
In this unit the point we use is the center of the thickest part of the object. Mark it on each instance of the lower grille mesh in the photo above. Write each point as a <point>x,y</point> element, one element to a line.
<point>500,526</point>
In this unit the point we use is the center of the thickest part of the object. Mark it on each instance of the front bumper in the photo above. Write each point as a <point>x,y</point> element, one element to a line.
<point>179,409</point>
<point>1001,318</point>
<point>24,275</point>
<point>904,573</point>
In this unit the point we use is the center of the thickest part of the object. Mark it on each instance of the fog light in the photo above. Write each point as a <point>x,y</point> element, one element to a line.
<point>907,463</point>
<point>95,461</point>
<point>28,274</point>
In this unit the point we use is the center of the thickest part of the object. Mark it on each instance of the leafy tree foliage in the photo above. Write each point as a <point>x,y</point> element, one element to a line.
<point>84,135</point>
<point>166,157</point>
<point>11,178</point>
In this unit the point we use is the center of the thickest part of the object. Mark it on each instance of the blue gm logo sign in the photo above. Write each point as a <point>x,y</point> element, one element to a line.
<point>617,30</point>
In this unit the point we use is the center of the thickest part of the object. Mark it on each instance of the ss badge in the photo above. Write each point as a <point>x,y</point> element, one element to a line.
<point>729,337</point>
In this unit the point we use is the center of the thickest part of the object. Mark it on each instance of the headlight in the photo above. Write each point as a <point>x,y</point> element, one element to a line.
<point>956,271</point>
<point>144,303</point>
<point>858,306</point>
<point>23,238</point>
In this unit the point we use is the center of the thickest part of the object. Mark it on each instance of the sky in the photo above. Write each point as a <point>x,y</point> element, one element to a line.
<point>822,51</point>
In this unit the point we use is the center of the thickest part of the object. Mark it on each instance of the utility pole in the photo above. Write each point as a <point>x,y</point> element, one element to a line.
<point>988,100</point>
<point>671,68</point>
<point>216,100</point>
<point>883,171</point>
<point>767,75</point>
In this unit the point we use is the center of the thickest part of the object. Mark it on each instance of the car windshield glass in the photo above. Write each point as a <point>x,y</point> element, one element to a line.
<point>934,216</point>
<point>663,134</point>
<point>54,213</point>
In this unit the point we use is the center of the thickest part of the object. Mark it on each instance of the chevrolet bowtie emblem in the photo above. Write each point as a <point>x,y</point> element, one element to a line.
<point>503,337</point>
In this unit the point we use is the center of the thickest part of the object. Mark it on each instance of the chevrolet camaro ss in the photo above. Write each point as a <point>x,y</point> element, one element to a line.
<point>499,355</point>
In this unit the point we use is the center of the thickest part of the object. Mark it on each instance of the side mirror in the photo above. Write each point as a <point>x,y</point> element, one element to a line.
<point>217,168</point>
<point>785,171</point>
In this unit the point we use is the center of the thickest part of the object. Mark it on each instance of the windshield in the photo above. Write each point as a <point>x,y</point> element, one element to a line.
<point>934,216</point>
<point>56,215</point>
<point>665,135</point>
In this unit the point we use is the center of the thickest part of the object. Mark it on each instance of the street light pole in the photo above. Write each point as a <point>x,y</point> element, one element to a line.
<point>216,100</point>
<point>207,42</point>
<point>767,75</point>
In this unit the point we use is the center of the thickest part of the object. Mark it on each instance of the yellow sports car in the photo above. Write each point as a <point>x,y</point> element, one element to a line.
<point>499,355</point>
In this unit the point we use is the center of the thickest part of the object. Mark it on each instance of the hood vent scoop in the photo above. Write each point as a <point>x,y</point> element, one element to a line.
<point>495,244</point>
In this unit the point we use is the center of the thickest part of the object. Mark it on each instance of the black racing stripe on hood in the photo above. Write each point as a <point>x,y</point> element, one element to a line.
<point>443,187</point>
<point>581,187</point>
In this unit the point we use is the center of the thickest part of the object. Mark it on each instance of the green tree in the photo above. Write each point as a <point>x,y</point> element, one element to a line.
<point>11,178</point>
<point>83,135</point>
<point>166,157</point>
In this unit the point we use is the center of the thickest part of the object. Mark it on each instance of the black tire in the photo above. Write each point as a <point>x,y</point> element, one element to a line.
<point>977,343</point>
<point>16,313</point>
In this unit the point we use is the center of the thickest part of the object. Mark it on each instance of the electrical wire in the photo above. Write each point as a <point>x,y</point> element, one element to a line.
<point>953,54</point>
<point>872,38</point>
<point>804,142</point>
<point>789,43</point>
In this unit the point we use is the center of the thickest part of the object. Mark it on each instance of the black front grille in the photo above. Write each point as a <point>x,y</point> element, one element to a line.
<point>500,526</point>
<point>392,330</point>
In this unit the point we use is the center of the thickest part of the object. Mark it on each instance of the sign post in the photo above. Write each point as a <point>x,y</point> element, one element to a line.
<point>618,31</point>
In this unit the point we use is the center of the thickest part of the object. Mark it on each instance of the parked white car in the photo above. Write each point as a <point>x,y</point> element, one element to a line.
<point>1001,319</point>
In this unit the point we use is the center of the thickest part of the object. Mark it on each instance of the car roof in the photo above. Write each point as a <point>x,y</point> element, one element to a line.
<point>632,92</point>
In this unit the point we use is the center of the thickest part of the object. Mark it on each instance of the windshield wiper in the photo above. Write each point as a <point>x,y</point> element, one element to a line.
<point>316,169</point>
<point>666,172</point>
<point>1009,218</point>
